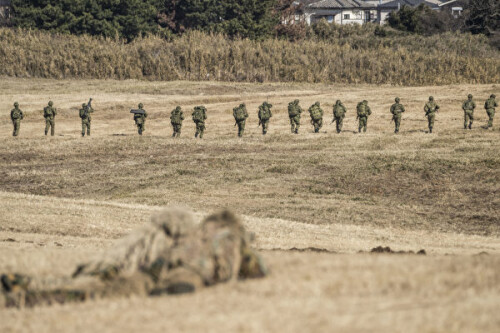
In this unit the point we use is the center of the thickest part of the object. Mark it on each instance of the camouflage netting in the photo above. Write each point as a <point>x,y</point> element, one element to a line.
<point>170,255</point>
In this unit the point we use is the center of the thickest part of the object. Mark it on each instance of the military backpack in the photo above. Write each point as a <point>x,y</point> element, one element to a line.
<point>316,113</point>
<point>490,103</point>
<point>361,109</point>
<point>198,114</point>
<point>338,111</point>
<point>239,114</point>
<point>293,110</point>
<point>264,113</point>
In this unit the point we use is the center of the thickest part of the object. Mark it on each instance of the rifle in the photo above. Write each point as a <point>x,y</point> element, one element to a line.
<point>260,122</point>
<point>235,123</point>
<point>135,111</point>
<point>89,104</point>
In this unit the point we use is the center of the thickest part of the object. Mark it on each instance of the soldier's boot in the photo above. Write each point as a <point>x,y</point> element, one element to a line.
<point>83,134</point>
<point>316,130</point>
<point>264,132</point>
<point>140,131</point>
<point>359,129</point>
<point>470,125</point>
<point>430,129</point>
<point>52,132</point>
<point>201,135</point>
<point>293,130</point>
<point>364,130</point>
<point>196,134</point>
<point>296,131</point>
<point>174,134</point>
<point>46,131</point>
<point>88,132</point>
<point>465,127</point>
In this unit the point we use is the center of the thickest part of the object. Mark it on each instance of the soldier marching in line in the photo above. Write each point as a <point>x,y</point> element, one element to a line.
<point>294,111</point>
<point>397,109</point>
<point>85,116</point>
<point>16,115</point>
<point>430,109</point>
<point>363,112</point>
<point>49,113</point>
<point>316,113</point>
<point>339,111</point>
<point>468,106</point>
<point>140,116</point>
<point>176,118</point>
<point>265,115</point>
<point>199,116</point>
<point>490,105</point>
<point>240,115</point>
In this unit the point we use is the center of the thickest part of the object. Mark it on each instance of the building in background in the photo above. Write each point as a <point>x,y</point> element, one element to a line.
<point>5,11</point>
<point>456,7</point>
<point>385,9</point>
<point>340,12</point>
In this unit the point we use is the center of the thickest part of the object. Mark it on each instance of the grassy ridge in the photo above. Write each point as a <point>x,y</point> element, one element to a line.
<point>336,57</point>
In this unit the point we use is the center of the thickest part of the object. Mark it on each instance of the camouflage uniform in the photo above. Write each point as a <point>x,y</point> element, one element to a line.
<point>490,105</point>
<point>170,255</point>
<point>176,118</point>
<point>468,106</point>
<point>316,113</point>
<point>339,111</point>
<point>140,119</point>
<point>240,115</point>
<point>49,113</point>
<point>199,116</point>
<point>430,109</point>
<point>85,112</point>
<point>16,115</point>
<point>397,109</point>
<point>265,115</point>
<point>294,111</point>
<point>363,111</point>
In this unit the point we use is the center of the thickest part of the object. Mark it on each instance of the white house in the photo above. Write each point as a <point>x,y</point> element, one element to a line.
<point>340,11</point>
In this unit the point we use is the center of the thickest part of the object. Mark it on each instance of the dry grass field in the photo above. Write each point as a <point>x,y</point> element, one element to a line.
<point>317,203</point>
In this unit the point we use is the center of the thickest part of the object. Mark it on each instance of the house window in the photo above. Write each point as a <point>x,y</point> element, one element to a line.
<point>329,19</point>
<point>347,16</point>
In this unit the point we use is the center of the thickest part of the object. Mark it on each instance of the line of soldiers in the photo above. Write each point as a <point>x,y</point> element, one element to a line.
<point>240,114</point>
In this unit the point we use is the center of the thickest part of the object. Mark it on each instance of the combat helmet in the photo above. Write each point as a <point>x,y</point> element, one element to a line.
<point>140,105</point>
<point>51,103</point>
<point>16,104</point>
<point>431,98</point>
<point>397,99</point>
<point>493,96</point>
<point>469,96</point>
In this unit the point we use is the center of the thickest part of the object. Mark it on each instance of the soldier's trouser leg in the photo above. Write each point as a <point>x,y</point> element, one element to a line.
<point>339,122</point>
<point>17,125</point>
<point>241,128</point>
<point>265,124</point>
<point>292,125</point>
<point>47,125</point>
<point>468,118</point>
<point>320,124</point>
<point>200,128</point>
<point>363,122</point>
<point>431,117</point>
<point>491,115</point>
<point>397,122</point>
<point>297,124</point>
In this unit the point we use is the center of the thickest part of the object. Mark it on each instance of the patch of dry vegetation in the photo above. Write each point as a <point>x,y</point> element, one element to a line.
<point>353,58</point>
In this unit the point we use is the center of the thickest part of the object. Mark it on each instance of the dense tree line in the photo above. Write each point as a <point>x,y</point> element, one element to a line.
<point>132,18</point>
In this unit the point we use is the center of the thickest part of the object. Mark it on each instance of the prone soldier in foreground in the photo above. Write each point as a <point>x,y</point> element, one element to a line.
<point>397,110</point>
<point>339,111</point>
<point>140,116</point>
<point>316,113</point>
<point>199,116</point>
<point>363,112</point>
<point>16,115</point>
<point>49,113</point>
<point>490,106</point>
<point>176,118</point>
<point>240,115</point>
<point>468,106</point>
<point>430,109</point>
<point>170,255</point>
<point>85,116</point>
<point>265,115</point>
<point>294,111</point>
